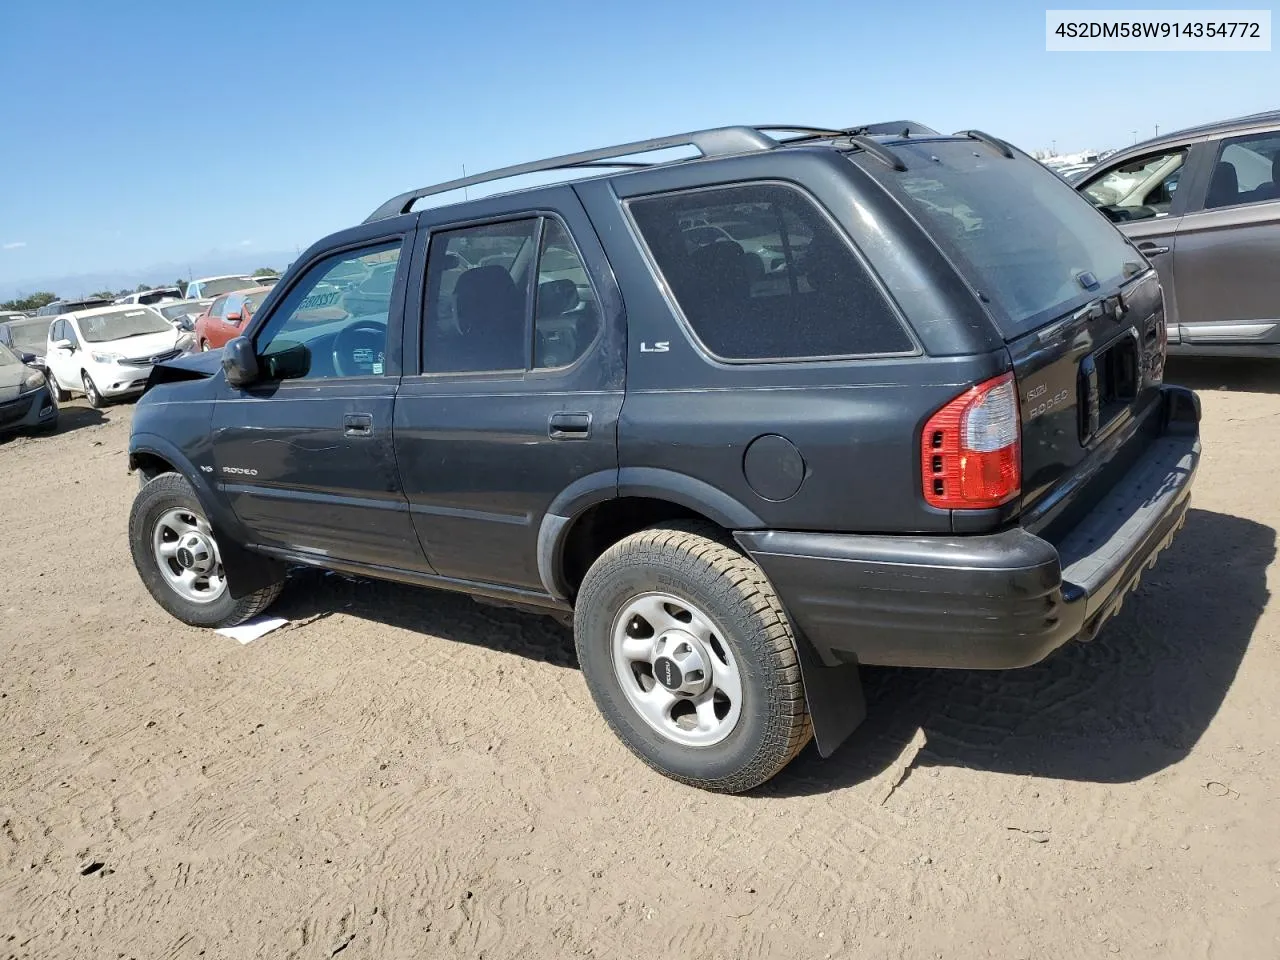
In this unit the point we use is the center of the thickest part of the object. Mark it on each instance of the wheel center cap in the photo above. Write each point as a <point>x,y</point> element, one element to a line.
<point>681,664</point>
<point>195,553</point>
<point>668,673</point>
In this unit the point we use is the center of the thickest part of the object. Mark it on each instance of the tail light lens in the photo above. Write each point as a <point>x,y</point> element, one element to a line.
<point>971,450</point>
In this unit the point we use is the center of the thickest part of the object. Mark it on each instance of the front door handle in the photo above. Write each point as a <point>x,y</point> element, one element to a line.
<point>1150,249</point>
<point>357,424</point>
<point>569,426</point>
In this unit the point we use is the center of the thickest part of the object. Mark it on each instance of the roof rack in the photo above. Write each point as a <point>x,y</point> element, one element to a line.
<point>719,141</point>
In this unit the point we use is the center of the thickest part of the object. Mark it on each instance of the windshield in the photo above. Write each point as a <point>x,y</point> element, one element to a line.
<point>216,288</point>
<point>1031,245</point>
<point>7,357</point>
<point>120,324</point>
<point>29,336</point>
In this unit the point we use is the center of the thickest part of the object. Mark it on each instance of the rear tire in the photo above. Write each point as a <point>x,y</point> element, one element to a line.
<point>167,504</point>
<point>708,609</point>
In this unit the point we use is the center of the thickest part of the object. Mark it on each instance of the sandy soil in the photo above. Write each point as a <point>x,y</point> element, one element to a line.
<point>406,773</point>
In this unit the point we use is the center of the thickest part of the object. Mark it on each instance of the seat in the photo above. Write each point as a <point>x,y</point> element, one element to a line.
<point>1224,188</point>
<point>490,311</point>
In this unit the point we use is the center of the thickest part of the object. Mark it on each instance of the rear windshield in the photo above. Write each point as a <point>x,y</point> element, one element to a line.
<point>1033,247</point>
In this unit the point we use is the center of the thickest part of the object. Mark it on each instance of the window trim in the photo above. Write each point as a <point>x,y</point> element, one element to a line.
<point>540,216</point>
<point>691,334</point>
<point>1216,158</point>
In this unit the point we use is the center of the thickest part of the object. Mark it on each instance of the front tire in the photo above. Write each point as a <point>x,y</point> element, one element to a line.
<point>91,393</point>
<point>177,557</point>
<point>690,657</point>
<point>59,395</point>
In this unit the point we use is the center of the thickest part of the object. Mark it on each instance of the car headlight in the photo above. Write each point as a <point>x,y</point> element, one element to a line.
<point>33,380</point>
<point>106,357</point>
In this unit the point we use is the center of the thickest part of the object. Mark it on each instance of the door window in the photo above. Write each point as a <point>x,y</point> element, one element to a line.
<point>333,323</point>
<point>566,313</point>
<point>477,298</point>
<point>1139,189</point>
<point>1247,171</point>
<point>217,309</point>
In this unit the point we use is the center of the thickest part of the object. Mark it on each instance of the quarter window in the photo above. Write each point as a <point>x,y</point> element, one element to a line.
<point>1247,171</point>
<point>334,322</point>
<point>761,274</point>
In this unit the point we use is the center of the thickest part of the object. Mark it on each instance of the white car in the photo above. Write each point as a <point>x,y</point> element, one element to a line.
<point>207,288</point>
<point>109,352</point>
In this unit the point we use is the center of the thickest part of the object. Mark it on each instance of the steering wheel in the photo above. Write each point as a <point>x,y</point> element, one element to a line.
<point>360,336</point>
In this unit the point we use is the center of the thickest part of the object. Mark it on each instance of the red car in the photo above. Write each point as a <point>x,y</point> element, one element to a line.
<point>227,317</point>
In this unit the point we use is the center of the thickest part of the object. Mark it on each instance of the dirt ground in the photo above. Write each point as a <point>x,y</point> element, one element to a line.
<point>406,773</point>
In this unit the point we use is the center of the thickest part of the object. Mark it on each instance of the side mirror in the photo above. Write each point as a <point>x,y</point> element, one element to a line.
<point>65,345</point>
<point>27,357</point>
<point>239,362</point>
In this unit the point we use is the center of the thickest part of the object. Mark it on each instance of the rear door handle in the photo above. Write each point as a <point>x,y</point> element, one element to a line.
<point>1152,249</point>
<point>569,426</point>
<point>357,424</point>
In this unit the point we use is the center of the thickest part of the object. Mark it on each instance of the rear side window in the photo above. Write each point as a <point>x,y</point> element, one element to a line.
<point>761,273</point>
<point>1031,246</point>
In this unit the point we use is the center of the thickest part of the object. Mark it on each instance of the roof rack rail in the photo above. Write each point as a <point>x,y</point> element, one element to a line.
<point>719,141</point>
<point>999,145</point>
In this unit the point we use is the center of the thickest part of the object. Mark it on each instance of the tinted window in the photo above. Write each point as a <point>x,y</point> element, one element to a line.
<point>1030,244</point>
<point>760,273</point>
<point>328,325</point>
<point>477,298</point>
<point>1247,170</point>
<point>566,316</point>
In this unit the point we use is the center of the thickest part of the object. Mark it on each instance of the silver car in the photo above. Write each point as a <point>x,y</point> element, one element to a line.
<point>1203,205</point>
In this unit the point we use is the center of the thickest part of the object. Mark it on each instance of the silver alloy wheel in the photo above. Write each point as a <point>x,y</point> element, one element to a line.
<point>184,548</point>
<point>676,670</point>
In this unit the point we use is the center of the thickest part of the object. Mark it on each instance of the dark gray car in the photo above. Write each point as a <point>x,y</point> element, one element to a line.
<point>26,402</point>
<point>1203,205</point>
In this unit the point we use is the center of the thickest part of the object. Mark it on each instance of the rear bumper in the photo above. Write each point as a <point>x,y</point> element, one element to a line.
<point>995,601</point>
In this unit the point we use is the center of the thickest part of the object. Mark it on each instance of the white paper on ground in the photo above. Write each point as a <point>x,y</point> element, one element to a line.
<point>253,629</point>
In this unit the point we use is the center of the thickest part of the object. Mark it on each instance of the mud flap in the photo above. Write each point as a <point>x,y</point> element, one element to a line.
<point>834,697</point>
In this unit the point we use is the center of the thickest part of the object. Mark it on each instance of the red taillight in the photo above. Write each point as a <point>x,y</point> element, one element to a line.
<point>971,450</point>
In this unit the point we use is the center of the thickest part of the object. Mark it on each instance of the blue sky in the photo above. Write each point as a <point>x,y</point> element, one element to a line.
<point>185,130</point>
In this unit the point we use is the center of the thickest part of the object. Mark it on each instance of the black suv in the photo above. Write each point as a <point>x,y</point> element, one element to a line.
<point>750,419</point>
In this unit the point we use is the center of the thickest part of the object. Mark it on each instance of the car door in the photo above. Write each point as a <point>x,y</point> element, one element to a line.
<point>1146,197</point>
<point>304,455</point>
<point>518,380</point>
<point>1229,246</point>
<point>62,360</point>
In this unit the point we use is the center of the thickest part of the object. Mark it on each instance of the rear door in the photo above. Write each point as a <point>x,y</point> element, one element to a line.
<point>517,380</point>
<point>305,455</point>
<point>1080,310</point>
<point>1229,246</point>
